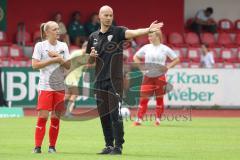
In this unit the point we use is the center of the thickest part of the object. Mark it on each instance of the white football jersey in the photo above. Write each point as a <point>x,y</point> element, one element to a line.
<point>51,76</point>
<point>154,57</point>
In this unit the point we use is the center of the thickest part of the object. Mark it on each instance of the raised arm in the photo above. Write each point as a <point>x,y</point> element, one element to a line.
<point>155,26</point>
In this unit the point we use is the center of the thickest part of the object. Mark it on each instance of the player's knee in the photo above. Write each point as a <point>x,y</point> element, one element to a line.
<point>43,113</point>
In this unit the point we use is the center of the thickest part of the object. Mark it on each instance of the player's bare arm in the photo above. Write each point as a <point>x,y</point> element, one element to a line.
<point>37,64</point>
<point>173,63</point>
<point>155,26</point>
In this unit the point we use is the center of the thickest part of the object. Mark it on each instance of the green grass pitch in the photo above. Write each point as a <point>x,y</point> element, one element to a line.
<point>199,139</point>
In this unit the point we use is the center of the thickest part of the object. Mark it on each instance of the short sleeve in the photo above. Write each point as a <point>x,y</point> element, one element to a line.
<point>89,44</point>
<point>170,53</point>
<point>37,52</point>
<point>211,58</point>
<point>141,52</point>
<point>66,52</point>
<point>200,15</point>
<point>121,33</point>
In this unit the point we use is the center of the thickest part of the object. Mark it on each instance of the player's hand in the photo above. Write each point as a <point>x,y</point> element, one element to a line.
<point>163,69</point>
<point>93,52</point>
<point>59,60</point>
<point>53,54</point>
<point>155,26</point>
<point>210,21</point>
<point>141,67</point>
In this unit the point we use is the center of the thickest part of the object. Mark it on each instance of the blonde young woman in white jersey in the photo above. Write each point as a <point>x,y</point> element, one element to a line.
<point>155,54</point>
<point>50,57</point>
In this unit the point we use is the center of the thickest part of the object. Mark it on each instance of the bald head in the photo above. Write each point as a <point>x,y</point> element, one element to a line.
<point>106,16</point>
<point>104,9</point>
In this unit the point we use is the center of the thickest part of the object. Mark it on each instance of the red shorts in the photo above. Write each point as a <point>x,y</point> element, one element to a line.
<point>47,100</point>
<point>151,85</point>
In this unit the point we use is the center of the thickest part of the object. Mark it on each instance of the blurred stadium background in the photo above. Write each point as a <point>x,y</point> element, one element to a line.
<point>201,92</point>
<point>194,86</point>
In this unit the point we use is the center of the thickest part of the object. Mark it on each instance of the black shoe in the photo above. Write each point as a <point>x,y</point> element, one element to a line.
<point>106,150</point>
<point>116,151</point>
<point>51,150</point>
<point>37,150</point>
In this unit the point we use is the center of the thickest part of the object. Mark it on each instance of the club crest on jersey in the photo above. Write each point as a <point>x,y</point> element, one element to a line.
<point>110,38</point>
<point>95,41</point>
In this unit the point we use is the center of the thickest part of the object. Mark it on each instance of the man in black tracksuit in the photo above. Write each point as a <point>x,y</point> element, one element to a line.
<point>105,46</point>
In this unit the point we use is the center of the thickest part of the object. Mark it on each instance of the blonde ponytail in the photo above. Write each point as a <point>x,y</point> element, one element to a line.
<point>42,31</point>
